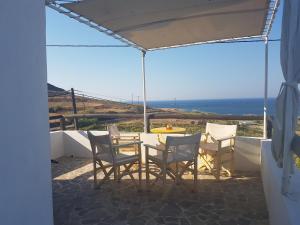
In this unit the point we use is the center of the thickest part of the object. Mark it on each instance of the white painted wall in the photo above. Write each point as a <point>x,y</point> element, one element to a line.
<point>57,144</point>
<point>282,210</point>
<point>76,143</point>
<point>247,153</point>
<point>25,179</point>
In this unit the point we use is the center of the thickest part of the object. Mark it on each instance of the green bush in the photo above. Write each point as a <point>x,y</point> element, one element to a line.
<point>55,109</point>
<point>297,161</point>
<point>87,122</point>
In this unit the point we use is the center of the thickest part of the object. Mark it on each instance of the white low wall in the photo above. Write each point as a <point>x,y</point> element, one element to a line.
<point>57,144</point>
<point>282,210</point>
<point>251,154</point>
<point>76,143</point>
<point>247,154</point>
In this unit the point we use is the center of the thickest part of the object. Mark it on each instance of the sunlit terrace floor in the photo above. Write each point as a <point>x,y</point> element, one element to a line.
<point>231,201</point>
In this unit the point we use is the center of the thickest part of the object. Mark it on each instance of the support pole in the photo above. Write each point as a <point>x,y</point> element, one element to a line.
<point>74,108</point>
<point>266,86</point>
<point>144,92</point>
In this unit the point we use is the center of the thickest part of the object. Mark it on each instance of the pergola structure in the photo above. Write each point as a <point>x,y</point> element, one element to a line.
<point>154,25</point>
<point>26,197</point>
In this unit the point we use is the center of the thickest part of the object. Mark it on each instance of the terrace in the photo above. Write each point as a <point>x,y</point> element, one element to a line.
<point>236,200</point>
<point>232,200</point>
<point>259,192</point>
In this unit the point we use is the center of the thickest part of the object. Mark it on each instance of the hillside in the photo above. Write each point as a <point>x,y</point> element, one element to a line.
<point>60,101</point>
<point>52,88</point>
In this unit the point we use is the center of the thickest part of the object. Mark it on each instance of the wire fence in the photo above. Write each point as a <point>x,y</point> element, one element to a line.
<point>78,109</point>
<point>85,102</point>
<point>67,102</point>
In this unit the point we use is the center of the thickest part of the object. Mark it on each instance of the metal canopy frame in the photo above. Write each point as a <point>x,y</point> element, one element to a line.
<point>270,16</point>
<point>57,5</point>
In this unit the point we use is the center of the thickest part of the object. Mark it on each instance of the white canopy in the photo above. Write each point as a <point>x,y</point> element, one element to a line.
<point>153,24</point>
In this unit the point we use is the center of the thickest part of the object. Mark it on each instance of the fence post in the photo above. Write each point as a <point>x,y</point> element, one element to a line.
<point>74,108</point>
<point>62,123</point>
<point>148,118</point>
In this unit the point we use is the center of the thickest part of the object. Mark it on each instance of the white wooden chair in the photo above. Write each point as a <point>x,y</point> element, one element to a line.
<point>118,138</point>
<point>179,152</point>
<point>218,142</point>
<point>107,159</point>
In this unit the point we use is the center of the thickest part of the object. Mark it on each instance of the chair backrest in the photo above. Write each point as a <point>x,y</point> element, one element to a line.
<point>183,148</point>
<point>218,131</point>
<point>113,131</point>
<point>101,145</point>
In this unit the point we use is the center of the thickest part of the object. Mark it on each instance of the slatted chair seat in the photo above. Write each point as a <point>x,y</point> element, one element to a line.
<point>119,158</point>
<point>170,158</point>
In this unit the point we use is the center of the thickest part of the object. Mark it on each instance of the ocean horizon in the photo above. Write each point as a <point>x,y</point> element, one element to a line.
<point>245,106</point>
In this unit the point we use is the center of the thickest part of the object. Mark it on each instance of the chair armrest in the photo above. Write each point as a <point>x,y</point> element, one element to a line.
<point>125,138</point>
<point>129,136</point>
<point>127,144</point>
<point>219,139</point>
<point>225,138</point>
<point>154,147</point>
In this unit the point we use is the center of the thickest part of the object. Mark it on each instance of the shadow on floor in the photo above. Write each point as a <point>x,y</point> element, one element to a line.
<point>234,201</point>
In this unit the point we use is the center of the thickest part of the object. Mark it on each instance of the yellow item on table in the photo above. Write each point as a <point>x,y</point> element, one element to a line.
<point>164,130</point>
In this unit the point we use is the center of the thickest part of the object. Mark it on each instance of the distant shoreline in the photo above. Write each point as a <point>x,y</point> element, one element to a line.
<point>249,106</point>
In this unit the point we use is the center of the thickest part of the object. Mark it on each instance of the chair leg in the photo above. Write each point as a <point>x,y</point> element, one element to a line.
<point>232,163</point>
<point>195,173</point>
<point>206,163</point>
<point>116,172</point>
<point>140,174</point>
<point>95,174</point>
<point>147,168</point>
<point>164,173</point>
<point>218,165</point>
<point>140,167</point>
<point>106,177</point>
<point>176,174</point>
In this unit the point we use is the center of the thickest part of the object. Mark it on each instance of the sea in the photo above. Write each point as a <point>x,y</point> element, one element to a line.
<point>249,106</point>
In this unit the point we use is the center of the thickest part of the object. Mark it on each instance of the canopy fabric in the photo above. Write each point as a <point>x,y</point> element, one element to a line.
<point>287,102</point>
<point>157,24</point>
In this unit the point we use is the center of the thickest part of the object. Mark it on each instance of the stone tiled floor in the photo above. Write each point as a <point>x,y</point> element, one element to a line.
<point>231,201</point>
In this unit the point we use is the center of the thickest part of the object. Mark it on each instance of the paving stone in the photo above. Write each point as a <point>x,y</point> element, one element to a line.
<point>230,201</point>
<point>194,220</point>
<point>170,210</point>
<point>136,221</point>
<point>184,221</point>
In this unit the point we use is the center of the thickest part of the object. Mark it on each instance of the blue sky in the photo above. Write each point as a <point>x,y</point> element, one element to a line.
<point>214,71</point>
